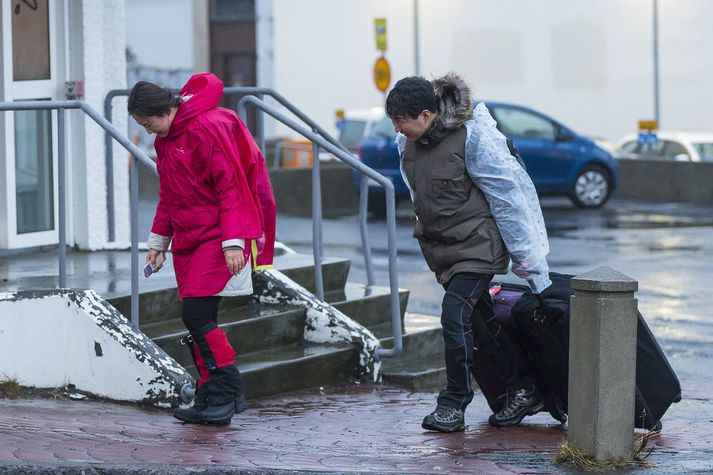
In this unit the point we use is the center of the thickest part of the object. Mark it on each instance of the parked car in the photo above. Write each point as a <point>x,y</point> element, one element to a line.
<point>559,161</point>
<point>679,146</point>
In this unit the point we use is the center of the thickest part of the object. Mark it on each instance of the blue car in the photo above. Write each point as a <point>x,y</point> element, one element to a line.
<point>559,161</point>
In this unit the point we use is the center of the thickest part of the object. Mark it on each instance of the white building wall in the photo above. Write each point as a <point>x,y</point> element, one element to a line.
<point>588,64</point>
<point>103,68</point>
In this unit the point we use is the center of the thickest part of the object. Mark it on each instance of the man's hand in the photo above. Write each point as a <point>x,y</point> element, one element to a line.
<point>549,310</point>
<point>151,257</point>
<point>235,259</point>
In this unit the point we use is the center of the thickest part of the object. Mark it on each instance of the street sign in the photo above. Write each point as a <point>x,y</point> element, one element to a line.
<point>648,125</point>
<point>647,132</point>
<point>382,74</point>
<point>647,138</point>
<point>380,32</point>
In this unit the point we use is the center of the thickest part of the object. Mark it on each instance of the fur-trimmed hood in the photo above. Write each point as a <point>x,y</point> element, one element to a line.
<point>455,108</point>
<point>455,105</point>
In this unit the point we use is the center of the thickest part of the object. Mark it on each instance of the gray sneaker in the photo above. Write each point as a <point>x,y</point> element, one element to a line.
<point>444,419</point>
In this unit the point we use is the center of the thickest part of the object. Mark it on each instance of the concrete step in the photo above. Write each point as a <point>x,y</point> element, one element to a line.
<point>367,305</point>
<point>245,335</point>
<point>420,366</point>
<point>164,304</point>
<point>293,367</point>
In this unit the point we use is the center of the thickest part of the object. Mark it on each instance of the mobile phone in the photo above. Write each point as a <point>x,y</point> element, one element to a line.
<point>149,269</point>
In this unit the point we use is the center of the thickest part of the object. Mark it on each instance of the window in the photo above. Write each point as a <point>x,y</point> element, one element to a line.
<point>33,171</point>
<point>705,150</point>
<point>652,151</point>
<point>519,123</point>
<point>673,149</point>
<point>352,132</point>
<point>232,10</point>
<point>30,40</point>
<point>383,129</point>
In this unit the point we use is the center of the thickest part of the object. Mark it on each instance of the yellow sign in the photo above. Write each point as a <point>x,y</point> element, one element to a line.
<point>380,31</point>
<point>648,125</point>
<point>382,74</point>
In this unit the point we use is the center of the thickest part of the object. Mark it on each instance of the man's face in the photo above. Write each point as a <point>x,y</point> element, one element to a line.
<point>413,128</point>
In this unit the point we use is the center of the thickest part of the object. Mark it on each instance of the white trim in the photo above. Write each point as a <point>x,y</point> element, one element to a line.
<point>30,90</point>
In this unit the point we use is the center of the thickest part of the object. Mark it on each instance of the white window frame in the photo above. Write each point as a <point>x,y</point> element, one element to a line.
<point>26,90</point>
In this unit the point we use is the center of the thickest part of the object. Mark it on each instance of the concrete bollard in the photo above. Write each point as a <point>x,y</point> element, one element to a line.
<point>602,364</point>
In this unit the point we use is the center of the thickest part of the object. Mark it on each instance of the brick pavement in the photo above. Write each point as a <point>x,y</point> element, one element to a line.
<point>341,429</point>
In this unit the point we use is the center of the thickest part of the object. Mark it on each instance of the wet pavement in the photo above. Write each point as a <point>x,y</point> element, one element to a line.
<point>666,247</point>
<point>351,428</point>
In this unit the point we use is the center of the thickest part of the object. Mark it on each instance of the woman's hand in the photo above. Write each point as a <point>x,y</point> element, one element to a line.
<point>235,259</point>
<point>151,257</point>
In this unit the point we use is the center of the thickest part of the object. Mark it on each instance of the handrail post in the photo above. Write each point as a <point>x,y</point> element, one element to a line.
<point>62,199</point>
<point>393,275</point>
<point>109,164</point>
<point>317,221</point>
<point>261,128</point>
<point>363,209</point>
<point>134,211</point>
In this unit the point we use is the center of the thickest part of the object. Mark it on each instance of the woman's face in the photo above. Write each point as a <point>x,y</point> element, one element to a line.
<point>156,124</point>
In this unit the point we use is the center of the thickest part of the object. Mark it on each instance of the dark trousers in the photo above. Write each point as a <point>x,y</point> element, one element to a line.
<point>219,379</point>
<point>468,322</point>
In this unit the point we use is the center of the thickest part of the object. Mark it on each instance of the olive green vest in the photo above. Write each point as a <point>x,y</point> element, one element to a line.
<point>455,229</point>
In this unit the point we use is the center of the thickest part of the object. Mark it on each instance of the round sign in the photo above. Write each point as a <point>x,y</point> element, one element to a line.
<point>382,74</point>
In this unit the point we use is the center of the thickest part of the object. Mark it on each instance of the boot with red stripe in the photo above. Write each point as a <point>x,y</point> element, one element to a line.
<point>219,393</point>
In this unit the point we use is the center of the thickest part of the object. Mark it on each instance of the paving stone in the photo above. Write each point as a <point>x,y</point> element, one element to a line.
<point>362,428</point>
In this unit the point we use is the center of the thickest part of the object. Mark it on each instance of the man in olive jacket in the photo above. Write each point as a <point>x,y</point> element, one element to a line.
<point>476,208</point>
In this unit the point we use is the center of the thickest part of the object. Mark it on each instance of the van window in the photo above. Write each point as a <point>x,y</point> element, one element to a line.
<point>352,132</point>
<point>383,129</point>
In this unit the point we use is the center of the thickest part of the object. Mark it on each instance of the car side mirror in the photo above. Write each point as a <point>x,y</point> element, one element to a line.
<point>682,157</point>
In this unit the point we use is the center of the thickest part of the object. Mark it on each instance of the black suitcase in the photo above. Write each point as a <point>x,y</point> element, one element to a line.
<point>489,380</point>
<point>547,346</point>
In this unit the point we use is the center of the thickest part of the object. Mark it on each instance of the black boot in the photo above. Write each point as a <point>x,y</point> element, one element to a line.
<point>520,401</point>
<point>201,413</point>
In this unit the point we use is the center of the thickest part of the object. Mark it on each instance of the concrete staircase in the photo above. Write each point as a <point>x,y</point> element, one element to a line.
<point>268,338</point>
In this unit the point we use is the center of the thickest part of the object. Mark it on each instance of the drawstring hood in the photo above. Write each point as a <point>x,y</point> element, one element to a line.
<point>200,94</point>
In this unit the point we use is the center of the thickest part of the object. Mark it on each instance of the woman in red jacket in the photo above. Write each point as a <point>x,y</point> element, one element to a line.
<point>217,210</point>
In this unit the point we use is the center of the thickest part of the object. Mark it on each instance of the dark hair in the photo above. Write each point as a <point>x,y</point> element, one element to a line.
<point>148,99</point>
<point>409,97</point>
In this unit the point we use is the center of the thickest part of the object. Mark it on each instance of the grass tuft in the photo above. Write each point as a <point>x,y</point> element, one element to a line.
<point>9,387</point>
<point>568,453</point>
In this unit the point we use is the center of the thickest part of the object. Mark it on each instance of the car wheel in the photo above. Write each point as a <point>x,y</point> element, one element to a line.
<point>592,187</point>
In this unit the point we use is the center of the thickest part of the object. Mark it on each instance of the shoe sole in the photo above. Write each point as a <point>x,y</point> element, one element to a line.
<point>240,406</point>
<point>532,412</point>
<point>459,428</point>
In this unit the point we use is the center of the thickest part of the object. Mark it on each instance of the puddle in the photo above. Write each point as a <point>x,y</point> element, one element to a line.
<point>652,221</point>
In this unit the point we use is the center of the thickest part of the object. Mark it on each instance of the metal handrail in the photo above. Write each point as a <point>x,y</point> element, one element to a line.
<point>388,185</point>
<point>137,155</point>
<point>259,92</point>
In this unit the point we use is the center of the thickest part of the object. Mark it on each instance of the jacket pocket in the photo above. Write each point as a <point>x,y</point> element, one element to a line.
<point>450,189</point>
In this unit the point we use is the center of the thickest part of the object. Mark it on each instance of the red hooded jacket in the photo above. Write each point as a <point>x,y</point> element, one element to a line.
<point>214,187</point>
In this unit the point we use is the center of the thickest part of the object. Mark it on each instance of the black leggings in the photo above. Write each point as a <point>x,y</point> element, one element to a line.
<point>197,312</point>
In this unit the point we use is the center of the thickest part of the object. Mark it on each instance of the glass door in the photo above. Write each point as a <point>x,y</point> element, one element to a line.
<point>28,36</point>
